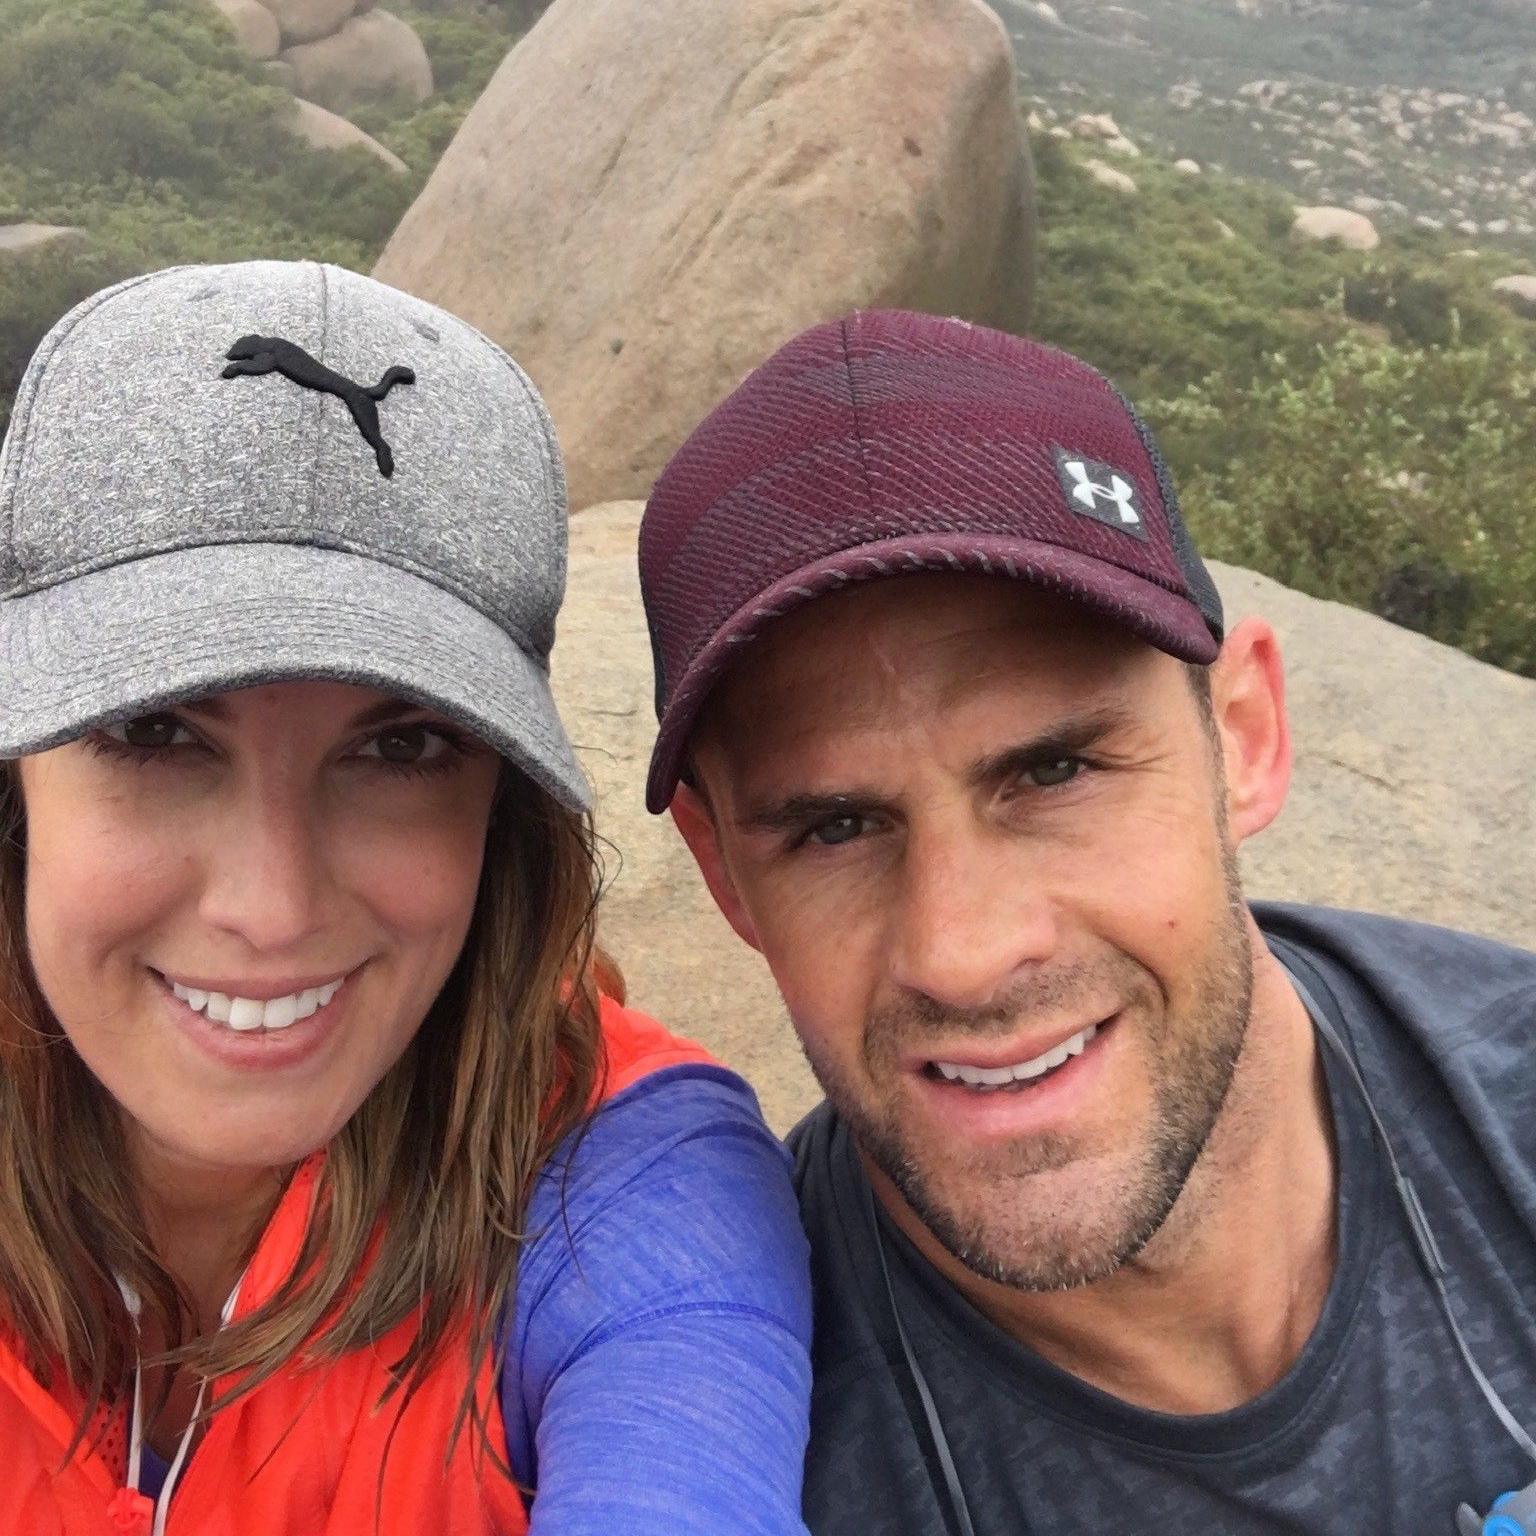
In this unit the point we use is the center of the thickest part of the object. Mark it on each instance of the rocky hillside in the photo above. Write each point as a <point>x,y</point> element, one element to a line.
<point>138,133</point>
<point>1414,113</point>
<point>1345,396</point>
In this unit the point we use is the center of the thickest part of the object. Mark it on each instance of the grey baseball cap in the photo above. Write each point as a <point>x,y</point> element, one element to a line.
<point>222,476</point>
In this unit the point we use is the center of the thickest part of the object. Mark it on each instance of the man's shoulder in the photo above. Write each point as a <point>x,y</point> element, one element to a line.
<point>809,1144</point>
<point>828,1186</point>
<point>1457,986</point>
<point>839,1221</point>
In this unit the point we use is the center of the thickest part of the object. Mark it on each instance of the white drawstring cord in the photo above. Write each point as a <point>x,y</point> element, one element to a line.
<point>136,1423</point>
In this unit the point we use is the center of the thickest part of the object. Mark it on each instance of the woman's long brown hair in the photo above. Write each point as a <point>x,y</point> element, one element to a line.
<point>424,1191</point>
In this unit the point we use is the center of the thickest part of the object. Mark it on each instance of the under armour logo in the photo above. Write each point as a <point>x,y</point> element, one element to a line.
<point>1101,492</point>
<point>253,355</point>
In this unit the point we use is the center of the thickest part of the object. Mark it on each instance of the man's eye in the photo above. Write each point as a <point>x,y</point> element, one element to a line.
<point>407,746</point>
<point>1049,775</point>
<point>835,830</point>
<point>146,732</point>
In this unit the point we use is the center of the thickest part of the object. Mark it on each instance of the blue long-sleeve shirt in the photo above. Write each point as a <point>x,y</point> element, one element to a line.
<point>658,1371</point>
<point>657,1374</point>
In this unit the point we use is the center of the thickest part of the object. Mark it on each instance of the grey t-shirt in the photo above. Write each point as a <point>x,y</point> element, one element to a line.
<point>1377,1428</point>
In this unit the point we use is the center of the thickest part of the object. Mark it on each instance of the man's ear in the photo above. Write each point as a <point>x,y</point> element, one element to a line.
<point>695,820</point>
<point>1248,702</point>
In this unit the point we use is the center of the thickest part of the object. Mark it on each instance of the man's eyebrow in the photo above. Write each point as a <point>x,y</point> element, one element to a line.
<point>796,811</point>
<point>1064,738</point>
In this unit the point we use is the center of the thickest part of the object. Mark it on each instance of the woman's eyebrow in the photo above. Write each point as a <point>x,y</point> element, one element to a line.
<point>388,709</point>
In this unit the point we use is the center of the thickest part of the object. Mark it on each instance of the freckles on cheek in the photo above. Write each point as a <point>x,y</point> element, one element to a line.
<point>423,883</point>
<point>93,890</point>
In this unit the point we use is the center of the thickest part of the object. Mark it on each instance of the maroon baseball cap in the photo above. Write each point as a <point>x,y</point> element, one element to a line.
<point>891,442</point>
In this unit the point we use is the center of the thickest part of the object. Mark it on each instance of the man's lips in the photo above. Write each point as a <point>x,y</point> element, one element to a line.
<point>994,1055</point>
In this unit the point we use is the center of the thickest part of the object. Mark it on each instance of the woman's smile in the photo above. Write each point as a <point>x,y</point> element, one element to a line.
<point>251,1006</point>
<point>242,1032</point>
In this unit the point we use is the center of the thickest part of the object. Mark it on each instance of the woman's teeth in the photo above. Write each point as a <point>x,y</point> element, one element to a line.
<point>245,1013</point>
<point>991,1078</point>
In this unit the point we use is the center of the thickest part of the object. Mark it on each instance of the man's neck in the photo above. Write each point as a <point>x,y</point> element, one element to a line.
<point>1217,1307</point>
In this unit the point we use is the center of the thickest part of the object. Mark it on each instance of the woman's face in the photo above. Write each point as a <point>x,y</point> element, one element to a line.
<point>240,910</point>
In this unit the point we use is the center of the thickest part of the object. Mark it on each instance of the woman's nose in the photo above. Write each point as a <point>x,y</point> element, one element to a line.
<point>264,869</point>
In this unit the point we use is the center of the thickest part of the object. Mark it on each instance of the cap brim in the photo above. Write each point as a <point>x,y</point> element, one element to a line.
<point>157,631</point>
<point>1165,619</point>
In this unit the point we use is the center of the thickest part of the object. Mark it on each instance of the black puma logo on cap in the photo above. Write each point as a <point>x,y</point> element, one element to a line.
<point>253,355</point>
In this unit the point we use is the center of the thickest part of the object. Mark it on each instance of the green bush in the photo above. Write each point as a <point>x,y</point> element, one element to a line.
<point>141,122</point>
<point>1422,309</point>
<point>1185,279</point>
<point>1392,478</point>
<point>33,294</point>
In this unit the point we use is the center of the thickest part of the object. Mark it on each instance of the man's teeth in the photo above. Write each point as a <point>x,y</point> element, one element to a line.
<point>245,1013</point>
<point>999,1077</point>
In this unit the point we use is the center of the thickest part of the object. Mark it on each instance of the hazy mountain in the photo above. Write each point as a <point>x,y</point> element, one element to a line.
<point>1413,111</point>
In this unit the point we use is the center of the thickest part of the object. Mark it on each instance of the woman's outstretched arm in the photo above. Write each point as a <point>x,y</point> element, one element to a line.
<point>658,1368</point>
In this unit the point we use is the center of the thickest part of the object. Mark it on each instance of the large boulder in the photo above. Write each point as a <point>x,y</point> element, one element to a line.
<point>1390,809</point>
<point>302,21</point>
<point>325,130</point>
<point>1095,125</point>
<point>1108,176</point>
<point>373,58</point>
<point>255,27</point>
<point>1519,292</point>
<point>638,237</point>
<point>681,960</point>
<point>24,240</point>
<point>1343,226</point>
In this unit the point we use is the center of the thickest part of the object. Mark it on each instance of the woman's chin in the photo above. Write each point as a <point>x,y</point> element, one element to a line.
<point>222,1148</point>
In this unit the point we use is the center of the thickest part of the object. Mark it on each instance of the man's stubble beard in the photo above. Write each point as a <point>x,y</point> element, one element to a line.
<point>1193,1060</point>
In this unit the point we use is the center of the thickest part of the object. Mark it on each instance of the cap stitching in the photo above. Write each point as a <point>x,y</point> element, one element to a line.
<point>858,425</point>
<point>300,538</point>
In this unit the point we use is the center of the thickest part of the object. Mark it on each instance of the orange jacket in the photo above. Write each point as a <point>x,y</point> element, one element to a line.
<point>302,1455</point>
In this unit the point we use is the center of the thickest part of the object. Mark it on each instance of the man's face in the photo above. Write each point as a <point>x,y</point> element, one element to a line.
<point>980,839</point>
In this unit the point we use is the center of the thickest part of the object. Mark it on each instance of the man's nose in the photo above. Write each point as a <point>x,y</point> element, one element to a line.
<point>970,917</point>
<point>265,868</point>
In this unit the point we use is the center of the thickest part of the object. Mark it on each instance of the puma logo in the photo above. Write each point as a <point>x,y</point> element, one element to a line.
<point>253,355</point>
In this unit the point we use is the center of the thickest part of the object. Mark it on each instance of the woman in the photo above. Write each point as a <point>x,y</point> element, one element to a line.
<point>334,1197</point>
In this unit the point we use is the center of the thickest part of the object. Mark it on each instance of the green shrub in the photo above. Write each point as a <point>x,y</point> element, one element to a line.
<point>34,292</point>
<point>1420,308</point>
<point>1393,478</point>
<point>141,122</point>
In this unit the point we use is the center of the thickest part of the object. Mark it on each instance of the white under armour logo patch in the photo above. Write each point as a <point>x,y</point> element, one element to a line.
<point>1098,490</point>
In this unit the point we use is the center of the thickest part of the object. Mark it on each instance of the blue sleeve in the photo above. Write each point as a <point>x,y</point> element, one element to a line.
<point>657,1377</point>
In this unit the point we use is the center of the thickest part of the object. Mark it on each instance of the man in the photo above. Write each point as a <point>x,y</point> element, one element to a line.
<point>1103,1235</point>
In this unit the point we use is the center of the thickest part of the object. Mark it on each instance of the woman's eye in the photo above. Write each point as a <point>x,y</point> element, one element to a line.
<point>146,732</point>
<point>1049,775</point>
<point>835,830</point>
<point>407,746</point>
